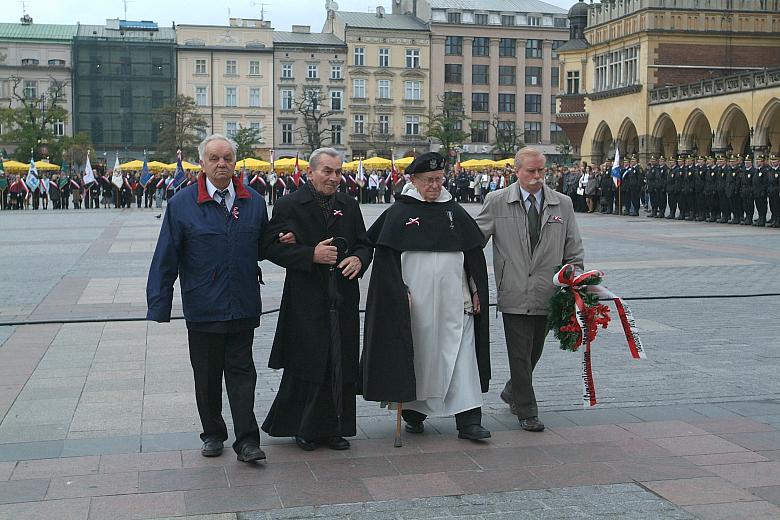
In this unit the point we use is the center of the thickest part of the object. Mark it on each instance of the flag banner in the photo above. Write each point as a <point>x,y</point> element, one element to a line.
<point>116,178</point>
<point>297,172</point>
<point>179,177</point>
<point>45,185</point>
<point>361,174</point>
<point>89,175</point>
<point>615,170</point>
<point>32,180</point>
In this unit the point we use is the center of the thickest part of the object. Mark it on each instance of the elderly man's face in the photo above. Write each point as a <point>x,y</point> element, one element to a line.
<point>327,177</point>
<point>530,174</point>
<point>218,163</point>
<point>429,184</point>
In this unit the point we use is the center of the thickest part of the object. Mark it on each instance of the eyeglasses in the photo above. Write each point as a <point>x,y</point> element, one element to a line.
<point>431,181</point>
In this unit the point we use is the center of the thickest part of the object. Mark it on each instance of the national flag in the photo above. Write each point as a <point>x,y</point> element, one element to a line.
<point>179,177</point>
<point>117,179</point>
<point>615,170</point>
<point>32,180</point>
<point>393,170</point>
<point>64,167</point>
<point>361,174</point>
<point>273,170</point>
<point>297,172</point>
<point>89,175</point>
<point>146,175</point>
<point>457,164</point>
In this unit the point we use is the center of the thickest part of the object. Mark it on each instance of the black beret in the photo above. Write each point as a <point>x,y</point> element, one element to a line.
<point>427,162</point>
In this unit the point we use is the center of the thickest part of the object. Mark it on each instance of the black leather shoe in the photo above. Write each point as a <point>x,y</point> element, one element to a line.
<point>304,444</point>
<point>414,427</point>
<point>250,452</point>
<point>334,443</point>
<point>473,432</point>
<point>211,448</point>
<point>532,424</point>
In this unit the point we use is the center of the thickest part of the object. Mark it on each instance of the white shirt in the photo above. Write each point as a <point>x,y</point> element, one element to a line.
<point>373,181</point>
<point>214,195</point>
<point>527,204</point>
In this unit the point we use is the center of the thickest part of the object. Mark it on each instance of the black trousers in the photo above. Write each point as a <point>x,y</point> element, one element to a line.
<point>761,207</point>
<point>658,199</point>
<point>213,355</point>
<point>524,344</point>
<point>748,209</point>
<point>724,205</point>
<point>468,418</point>
<point>736,207</point>
<point>672,197</point>
<point>606,203</point>
<point>774,205</point>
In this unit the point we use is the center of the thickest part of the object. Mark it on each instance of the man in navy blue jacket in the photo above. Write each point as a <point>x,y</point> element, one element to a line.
<point>211,239</point>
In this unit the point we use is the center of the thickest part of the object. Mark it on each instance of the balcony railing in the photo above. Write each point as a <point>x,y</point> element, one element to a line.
<point>742,82</point>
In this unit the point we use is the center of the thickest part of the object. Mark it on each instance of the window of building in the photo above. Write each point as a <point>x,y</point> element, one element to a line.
<point>29,62</point>
<point>453,46</point>
<point>412,125</point>
<point>231,129</point>
<point>480,74</point>
<point>359,55</point>
<point>313,71</point>
<point>532,132</point>
<point>555,77</point>
<point>453,73</point>
<point>533,48</point>
<point>507,75</point>
<point>481,19</point>
<point>200,67</point>
<point>258,129</point>
<point>454,101</point>
<point>56,63</point>
<point>358,88</point>
<point>555,45</point>
<point>508,20</point>
<point>553,104</point>
<point>30,89</point>
<point>231,67</point>
<point>479,131</point>
<point>413,90</point>
<point>533,76</point>
<point>287,99</point>
<point>533,103</point>
<point>335,134</point>
<point>412,58</point>
<point>480,101</point>
<point>125,98</point>
<point>313,98</point>
<point>384,124</point>
<point>201,96</point>
<point>231,96</point>
<point>480,47</point>
<point>534,21</point>
<point>453,17</point>
<point>254,67</point>
<point>58,128</point>
<point>617,69</point>
<point>157,66</point>
<point>358,124</point>
<point>507,47</point>
<point>287,71</point>
<point>506,103</point>
<point>573,81</point>
<point>335,72</point>
<point>384,89</point>
<point>505,130</point>
<point>287,133</point>
<point>557,135</point>
<point>384,57</point>
<point>254,97</point>
<point>560,23</point>
<point>336,100</point>
<point>631,67</point>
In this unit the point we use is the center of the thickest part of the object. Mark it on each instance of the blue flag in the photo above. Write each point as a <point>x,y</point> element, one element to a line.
<point>32,180</point>
<point>179,178</point>
<point>615,170</point>
<point>145,174</point>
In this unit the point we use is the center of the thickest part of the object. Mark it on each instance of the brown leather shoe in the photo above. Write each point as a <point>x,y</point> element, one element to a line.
<point>532,424</point>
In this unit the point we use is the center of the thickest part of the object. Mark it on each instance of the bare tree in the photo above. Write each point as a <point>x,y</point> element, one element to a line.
<point>378,139</point>
<point>508,139</point>
<point>314,132</point>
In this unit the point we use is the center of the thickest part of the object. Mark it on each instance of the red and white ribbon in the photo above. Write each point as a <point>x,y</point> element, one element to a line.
<point>415,221</point>
<point>568,277</point>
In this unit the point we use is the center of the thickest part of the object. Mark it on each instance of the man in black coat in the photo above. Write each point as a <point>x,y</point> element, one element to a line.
<point>306,404</point>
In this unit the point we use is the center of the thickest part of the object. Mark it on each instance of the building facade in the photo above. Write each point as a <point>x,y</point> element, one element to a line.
<point>122,73</point>
<point>652,77</point>
<point>228,71</point>
<point>499,58</point>
<point>388,83</point>
<point>35,62</point>
<point>310,91</point>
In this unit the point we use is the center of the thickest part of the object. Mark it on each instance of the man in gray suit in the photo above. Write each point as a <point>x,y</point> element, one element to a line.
<point>534,232</point>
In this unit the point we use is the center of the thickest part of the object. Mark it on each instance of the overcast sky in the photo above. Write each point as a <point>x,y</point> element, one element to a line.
<point>282,13</point>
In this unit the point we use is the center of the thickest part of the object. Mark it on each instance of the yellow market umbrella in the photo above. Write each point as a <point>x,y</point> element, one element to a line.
<point>506,162</point>
<point>253,164</point>
<point>16,166</point>
<point>46,166</point>
<point>155,166</point>
<point>471,163</point>
<point>184,164</point>
<point>132,165</point>
<point>402,163</point>
<point>376,162</point>
<point>288,164</point>
<point>350,166</point>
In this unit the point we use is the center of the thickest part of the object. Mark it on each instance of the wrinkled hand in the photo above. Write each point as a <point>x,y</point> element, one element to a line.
<point>324,253</point>
<point>350,267</point>
<point>475,303</point>
<point>287,238</point>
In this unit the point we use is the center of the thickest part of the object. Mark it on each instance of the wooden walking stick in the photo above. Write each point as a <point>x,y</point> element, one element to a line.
<point>397,443</point>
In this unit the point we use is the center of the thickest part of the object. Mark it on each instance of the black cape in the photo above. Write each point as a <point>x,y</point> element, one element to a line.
<point>387,362</point>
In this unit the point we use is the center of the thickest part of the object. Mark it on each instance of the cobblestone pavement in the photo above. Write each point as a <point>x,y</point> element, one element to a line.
<point>99,420</point>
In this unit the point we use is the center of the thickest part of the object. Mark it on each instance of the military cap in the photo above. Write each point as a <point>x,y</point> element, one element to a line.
<point>662,158</point>
<point>633,157</point>
<point>761,157</point>
<point>427,162</point>
<point>773,157</point>
<point>749,158</point>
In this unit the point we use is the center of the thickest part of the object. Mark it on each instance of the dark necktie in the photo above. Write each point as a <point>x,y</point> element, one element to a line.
<point>223,201</point>
<point>533,222</point>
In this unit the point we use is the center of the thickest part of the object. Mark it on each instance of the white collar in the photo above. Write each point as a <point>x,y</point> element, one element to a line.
<point>538,195</point>
<point>213,189</point>
<point>444,196</point>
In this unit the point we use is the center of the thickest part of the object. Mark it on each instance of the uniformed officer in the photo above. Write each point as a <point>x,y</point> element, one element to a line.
<point>662,176</point>
<point>760,190</point>
<point>682,189</point>
<point>671,187</point>
<point>747,179</point>
<point>651,180</point>
<point>732,189</point>
<point>699,180</point>
<point>607,191</point>
<point>724,206</point>
<point>711,190</point>
<point>632,180</point>
<point>689,194</point>
<point>773,173</point>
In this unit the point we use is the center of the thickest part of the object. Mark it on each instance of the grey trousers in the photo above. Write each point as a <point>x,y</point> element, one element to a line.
<point>524,343</point>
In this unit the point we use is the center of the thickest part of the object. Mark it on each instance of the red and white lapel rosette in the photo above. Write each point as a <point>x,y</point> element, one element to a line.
<point>567,277</point>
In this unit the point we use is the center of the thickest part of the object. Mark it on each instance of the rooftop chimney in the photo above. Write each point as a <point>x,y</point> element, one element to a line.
<point>301,29</point>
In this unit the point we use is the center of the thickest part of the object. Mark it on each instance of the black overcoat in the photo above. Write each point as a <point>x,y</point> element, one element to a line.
<point>302,335</point>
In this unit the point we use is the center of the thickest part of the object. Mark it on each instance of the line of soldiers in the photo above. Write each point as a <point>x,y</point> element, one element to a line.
<point>716,189</point>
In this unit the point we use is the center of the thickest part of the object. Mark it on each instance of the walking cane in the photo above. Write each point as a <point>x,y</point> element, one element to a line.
<point>397,443</point>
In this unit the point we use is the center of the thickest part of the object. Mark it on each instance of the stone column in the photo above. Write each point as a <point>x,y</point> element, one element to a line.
<point>546,89</point>
<point>520,105</point>
<point>493,85</point>
<point>467,43</point>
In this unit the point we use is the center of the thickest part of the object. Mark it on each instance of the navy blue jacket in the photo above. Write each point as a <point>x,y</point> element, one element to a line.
<point>214,256</point>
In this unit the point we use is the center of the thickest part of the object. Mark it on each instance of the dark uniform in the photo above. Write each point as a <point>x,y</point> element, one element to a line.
<point>711,191</point>
<point>760,191</point>
<point>732,190</point>
<point>774,189</point>
<point>688,191</point>
<point>721,177</point>
<point>747,179</point>
<point>606,192</point>
<point>671,188</point>
<point>632,180</point>
<point>699,181</point>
